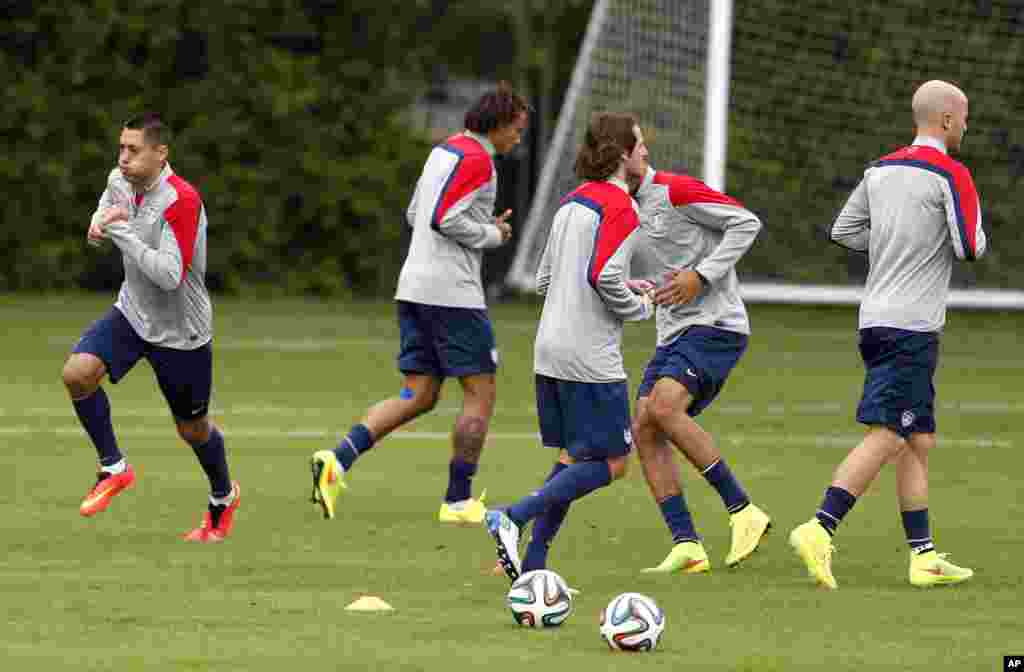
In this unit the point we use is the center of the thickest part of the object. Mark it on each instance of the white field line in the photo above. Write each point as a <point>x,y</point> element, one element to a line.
<point>773,439</point>
<point>526,410</point>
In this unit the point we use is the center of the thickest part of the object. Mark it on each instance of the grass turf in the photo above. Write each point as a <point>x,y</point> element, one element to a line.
<point>121,591</point>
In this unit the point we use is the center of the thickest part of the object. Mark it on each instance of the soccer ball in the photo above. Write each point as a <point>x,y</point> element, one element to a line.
<point>540,599</point>
<point>632,622</point>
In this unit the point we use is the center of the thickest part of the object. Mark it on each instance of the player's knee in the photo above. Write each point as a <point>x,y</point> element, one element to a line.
<point>425,401</point>
<point>82,375</point>
<point>922,444</point>
<point>479,394</point>
<point>618,466</point>
<point>662,408</point>
<point>421,395</point>
<point>194,432</point>
<point>471,426</point>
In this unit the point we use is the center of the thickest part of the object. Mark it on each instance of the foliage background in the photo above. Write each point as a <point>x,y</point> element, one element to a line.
<point>291,119</point>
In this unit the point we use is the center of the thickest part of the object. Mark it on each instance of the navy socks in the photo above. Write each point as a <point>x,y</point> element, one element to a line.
<point>352,446</point>
<point>94,414</point>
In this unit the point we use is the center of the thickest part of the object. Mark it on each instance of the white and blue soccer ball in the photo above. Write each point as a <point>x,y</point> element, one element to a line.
<point>632,622</point>
<point>540,599</point>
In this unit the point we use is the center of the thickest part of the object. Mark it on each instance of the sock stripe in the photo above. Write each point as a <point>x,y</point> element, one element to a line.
<point>829,515</point>
<point>711,466</point>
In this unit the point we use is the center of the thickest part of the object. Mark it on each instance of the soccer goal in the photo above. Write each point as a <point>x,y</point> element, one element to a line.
<point>807,93</point>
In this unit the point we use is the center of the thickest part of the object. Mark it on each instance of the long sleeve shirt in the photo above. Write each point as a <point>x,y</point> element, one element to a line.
<point>914,211</point>
<point>689,225</point>
<point>452,220</point>
<point>582,275</point>
<point>163,248</point>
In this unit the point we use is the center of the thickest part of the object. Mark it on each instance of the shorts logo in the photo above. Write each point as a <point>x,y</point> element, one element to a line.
<point>494,356</point>
<point>627,436</point>
<point>907,419</point>
<point>690,372</point>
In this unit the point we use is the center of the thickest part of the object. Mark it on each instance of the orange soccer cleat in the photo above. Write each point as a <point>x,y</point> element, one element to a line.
<point>217,520</point>
<point>107,487</point>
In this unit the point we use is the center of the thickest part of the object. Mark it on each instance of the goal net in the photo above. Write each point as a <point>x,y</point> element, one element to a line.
<point>816,90</point>
<point>642,56</point>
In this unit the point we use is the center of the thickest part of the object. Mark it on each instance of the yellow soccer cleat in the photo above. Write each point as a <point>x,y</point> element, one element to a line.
<point>467,512</point>
<point>748,529</point>
<point>932,569</point>
<point>688,557</point>
<point>813,544</point>
<point>328,480</point>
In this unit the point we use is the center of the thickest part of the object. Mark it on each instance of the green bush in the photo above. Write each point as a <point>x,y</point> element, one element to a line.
<point>287,119</point>
<point>820,89</point>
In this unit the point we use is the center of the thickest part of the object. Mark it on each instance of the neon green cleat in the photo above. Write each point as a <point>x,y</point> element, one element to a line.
<point>748,529</point>
<point>688,557</point>
<point>932,569</point>
<point>328,480</point>
<point>467,512</point>
<point>813,544</point>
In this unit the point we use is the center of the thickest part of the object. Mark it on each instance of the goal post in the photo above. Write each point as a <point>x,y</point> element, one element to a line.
<point>793,100</point>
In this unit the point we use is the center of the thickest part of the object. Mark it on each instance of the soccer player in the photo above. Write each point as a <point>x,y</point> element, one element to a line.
<point>913,211</point>
<point>582,395</point>
<point>694,237</point>
<point>162,313</point>
<point>442,313</point>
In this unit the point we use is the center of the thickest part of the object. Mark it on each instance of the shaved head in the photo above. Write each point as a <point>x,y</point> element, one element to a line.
<point>940,110</point>
<point>933,99</point>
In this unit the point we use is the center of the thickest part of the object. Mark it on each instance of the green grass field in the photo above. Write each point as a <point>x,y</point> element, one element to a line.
<point>122,592</point>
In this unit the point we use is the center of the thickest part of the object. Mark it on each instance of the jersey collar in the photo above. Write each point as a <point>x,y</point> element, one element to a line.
<point>931,141</point>
<point>621,184</point>
<point>482,139</point>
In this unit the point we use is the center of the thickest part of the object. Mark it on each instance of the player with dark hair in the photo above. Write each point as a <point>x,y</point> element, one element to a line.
<point>913,212</point>
<point>582,394</point>
<point>163,314</point>
<point>694,237</point>
<point>442,312</point>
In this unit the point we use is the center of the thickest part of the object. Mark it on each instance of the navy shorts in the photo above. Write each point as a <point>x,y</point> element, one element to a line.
<point>701,358</point>
<point>589,420</point>
<point>445,342</point>
<point>185,376</point>
<point>898,388</point>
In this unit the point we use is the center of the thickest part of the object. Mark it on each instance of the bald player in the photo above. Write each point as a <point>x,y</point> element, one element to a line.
<point>912,213</point>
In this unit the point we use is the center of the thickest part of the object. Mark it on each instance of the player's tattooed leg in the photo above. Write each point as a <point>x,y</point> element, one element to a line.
<point>468,438</point>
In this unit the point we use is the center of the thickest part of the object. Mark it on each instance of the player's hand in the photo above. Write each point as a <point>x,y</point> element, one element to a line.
<point>640,286</point>
<point>679,287</point>
<point>96,234</point>
<point>504,226</point>
<point>118,212</point>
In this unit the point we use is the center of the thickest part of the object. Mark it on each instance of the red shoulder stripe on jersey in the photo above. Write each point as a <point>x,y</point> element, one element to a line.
<point>965,196</point>
<point>183,216</point>
<point>968,197</point>
<point>616,224</point>
<point>686,190</point>
<point>473,169</point>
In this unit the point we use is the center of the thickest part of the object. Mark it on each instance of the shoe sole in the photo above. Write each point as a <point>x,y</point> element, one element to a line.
<point>808,560</point>
<point>737,561</point>
<point>700,567</point>
<point>945,581</point>
<point>503,557</point>
<point>317,467</point>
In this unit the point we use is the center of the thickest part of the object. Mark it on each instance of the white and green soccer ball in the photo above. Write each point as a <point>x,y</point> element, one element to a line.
<point>540,599</point>
<point>632,622</point>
